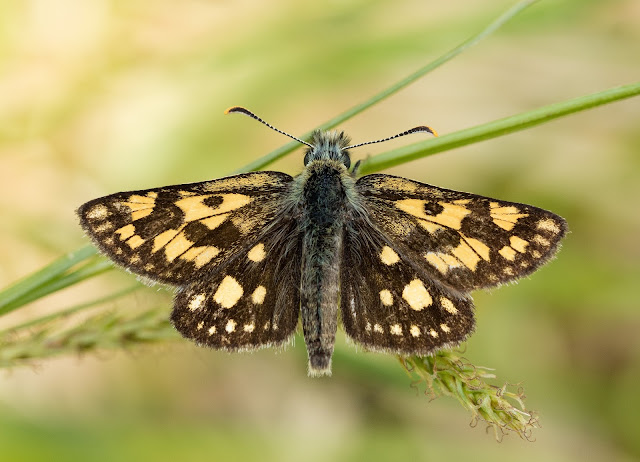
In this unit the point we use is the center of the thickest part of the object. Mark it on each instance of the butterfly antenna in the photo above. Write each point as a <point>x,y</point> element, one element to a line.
<point>421,129</point>
<point>245,111</point>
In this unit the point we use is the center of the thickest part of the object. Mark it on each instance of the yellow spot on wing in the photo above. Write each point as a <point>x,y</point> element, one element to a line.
<point>429,226</point>
<point>206,256</point>
<point>98,212</point>
<point>249,327</point>
<point>126,232</point>
<point>507,253</point>
<point>448,305</point>
<point>214,221</point>
<point>196,302</point>
<point>137,199</point>
<point>195,209</point>
<point>200,256</point>
<point>445,328</point>
<point>178,245</point>
<point>518,244</point>
<point>228,293</point>
<point>538,239</point>
<point>141,214</point>
<point>258,295</point>
<point>451,215</point>
<point>163,239</point>
<point>135,241</point>
<point>415,331</point>
<point>378,328</point>
<point>396,329</point>
<point>505,217</point>
<point>102,227</point>
<point>433,333</point>
<point>386,298</point>
<point>466,255</point>
<point>231,326</point>
<point>437,262</point>
<point>212,330</point>
<point>140,206</point>
<point>547,224</point>
<point>257,253</point>
<point>480,247</point>
<point>414,207</point>
<point>389,256</point>
<point>416,295</point>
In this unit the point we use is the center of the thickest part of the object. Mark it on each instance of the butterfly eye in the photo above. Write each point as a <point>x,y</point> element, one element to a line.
<point>346,159</point>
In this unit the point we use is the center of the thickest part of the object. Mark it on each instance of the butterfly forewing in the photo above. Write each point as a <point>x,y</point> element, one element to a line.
<point>464,240</point>
<point>172,234</point>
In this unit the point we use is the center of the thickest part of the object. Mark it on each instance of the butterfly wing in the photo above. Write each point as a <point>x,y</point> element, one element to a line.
<point>390,304</point>
<point>464,240</point>
<point>253,302</point>
<point>174,233</point>
<point>414,252</point>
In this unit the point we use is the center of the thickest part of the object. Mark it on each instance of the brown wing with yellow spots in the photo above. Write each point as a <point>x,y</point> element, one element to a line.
<point>391,304</point>
<point>253,302</point>
<point>172,234</point>
<point>464,240</point>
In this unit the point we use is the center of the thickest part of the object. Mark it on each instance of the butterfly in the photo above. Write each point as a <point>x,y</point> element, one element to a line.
<point>251,254</point>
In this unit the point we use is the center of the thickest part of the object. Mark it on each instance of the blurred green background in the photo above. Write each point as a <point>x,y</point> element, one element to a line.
<point>98,96</point>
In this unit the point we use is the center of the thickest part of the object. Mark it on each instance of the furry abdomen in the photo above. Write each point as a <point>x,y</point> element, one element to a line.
<point>322,223</point>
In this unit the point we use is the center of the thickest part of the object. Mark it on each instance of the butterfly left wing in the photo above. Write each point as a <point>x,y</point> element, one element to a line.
<point>253,302</point>
<point>176,234</point>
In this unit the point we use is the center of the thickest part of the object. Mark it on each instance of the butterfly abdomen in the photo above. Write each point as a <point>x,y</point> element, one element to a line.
<point>322,226</point>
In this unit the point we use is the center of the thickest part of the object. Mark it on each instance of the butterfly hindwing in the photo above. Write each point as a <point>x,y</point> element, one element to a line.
<point>389,303</point>
<point>253,302</point>
<point>176,233</point>
<point>464,240</point>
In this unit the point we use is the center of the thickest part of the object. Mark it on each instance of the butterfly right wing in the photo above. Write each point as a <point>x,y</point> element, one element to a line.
<point>180,233</point>
<point>465,240</point>
<point>390,304</point>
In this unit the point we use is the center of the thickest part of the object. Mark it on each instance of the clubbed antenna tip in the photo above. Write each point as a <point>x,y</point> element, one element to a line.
<point>420,129</point>
<point>247,112</point>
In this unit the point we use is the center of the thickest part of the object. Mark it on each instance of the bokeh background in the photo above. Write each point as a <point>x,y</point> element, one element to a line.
<point>98,96</point>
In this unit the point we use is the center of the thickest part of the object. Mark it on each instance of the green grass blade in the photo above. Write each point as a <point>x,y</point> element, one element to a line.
<point>88,271</point>
<point>496,128</point>
<point>289,147</point>
<point>69,311</point>
<point>41,277</point>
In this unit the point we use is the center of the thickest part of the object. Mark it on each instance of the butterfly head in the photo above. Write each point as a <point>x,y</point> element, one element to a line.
<point>330,145</point>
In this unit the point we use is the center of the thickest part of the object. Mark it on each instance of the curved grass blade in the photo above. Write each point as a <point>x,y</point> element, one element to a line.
<point>262,162</point>
<point>496,128</point>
